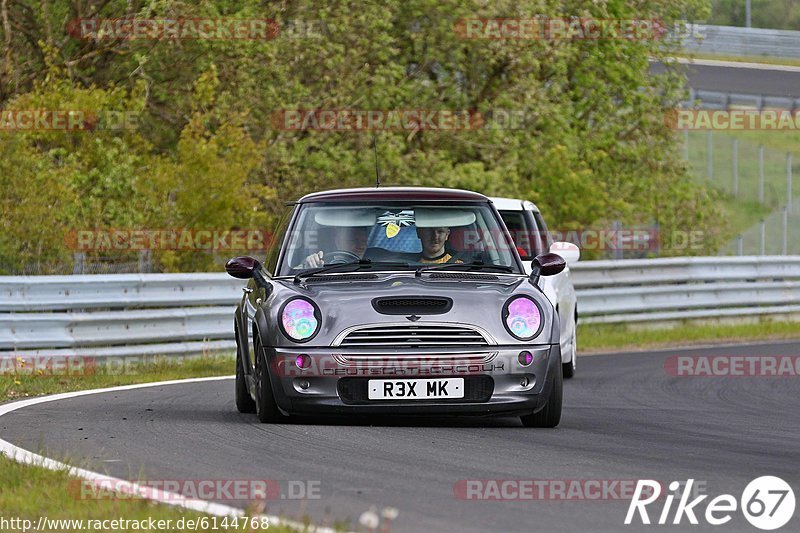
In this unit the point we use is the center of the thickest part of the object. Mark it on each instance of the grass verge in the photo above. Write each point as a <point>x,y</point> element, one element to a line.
<point>624,337</point>
<point>29,490</point>
<point>22,378</point>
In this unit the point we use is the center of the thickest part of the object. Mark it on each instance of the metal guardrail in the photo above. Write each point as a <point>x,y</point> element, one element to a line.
<point>737,41</point>
<point>728,100</point>
<point>116,291</point>
<point>163,314</point>
<point>641,290</point>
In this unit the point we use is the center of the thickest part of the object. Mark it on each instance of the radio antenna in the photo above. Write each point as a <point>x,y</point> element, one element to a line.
<point>377,169</point>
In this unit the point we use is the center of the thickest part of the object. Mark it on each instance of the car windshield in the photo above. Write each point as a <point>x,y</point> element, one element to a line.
<point>396,236</point>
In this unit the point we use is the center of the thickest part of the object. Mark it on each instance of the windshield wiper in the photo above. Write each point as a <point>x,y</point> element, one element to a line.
<point>475,265</point>
<point>355,265</point>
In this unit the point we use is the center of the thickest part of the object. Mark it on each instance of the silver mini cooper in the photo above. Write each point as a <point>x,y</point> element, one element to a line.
<point>396,300</point>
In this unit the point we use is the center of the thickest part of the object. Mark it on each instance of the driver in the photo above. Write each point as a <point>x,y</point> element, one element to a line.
<point>433,241</point>
<point>346,239</point>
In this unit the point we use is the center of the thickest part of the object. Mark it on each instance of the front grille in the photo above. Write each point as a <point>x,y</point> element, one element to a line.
<point>355,391</point>
<point>412,305</point>
<point>413,336</point>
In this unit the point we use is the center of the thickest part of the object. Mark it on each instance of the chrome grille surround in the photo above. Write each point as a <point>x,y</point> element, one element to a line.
<point>416,335</point>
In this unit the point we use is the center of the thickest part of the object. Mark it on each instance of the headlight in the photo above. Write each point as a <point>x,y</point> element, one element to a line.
<point>522,317</point>
<point>299,319</point>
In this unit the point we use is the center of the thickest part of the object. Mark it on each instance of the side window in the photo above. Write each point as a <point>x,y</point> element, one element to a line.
<point>271,261</point>
<point>518,225</point>
<point>545,240</point>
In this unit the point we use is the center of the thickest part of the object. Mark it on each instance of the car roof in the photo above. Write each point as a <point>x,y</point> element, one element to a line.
<point>393,193</point>
<point>513,204</point>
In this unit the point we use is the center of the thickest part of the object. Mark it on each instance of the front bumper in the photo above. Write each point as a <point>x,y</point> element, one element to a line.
<point>335,382</point>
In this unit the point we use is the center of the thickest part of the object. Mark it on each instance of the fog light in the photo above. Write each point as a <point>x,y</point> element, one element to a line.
<point>304,384</point>
<point>303,361</point>
<point>523,382</point>
<point>525,358</point>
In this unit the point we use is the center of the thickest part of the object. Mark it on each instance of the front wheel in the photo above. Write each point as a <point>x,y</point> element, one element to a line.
<point>244,403</point>
<point>550,415</point>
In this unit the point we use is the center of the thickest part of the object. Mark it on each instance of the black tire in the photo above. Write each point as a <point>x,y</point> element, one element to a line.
<point>244,403</point>
<point>569,368</point>
<point>266,408</point>
<point>550,415</point>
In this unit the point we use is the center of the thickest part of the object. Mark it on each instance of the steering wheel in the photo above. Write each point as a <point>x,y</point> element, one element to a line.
<point>341,256</point>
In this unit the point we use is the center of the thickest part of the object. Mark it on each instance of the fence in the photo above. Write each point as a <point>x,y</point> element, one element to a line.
<point>760,186</point>
<point>736,41</point>
<point>155,314</point>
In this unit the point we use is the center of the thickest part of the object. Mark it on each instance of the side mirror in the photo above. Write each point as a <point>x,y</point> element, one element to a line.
<point>242,267</point>
<point>569,251</point>
<point>547,264</point>
<point>246,267</point>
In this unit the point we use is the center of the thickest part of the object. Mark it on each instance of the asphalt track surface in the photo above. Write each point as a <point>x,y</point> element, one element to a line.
<point>741,80</point>
<point>625,418</point>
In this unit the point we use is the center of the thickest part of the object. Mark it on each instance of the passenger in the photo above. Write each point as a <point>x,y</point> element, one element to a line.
<point>346,239</point>
<point>433,241</point>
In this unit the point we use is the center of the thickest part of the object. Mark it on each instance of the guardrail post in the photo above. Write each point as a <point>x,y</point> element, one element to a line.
<point>763,237</point>
<point>144,261</point>
<point>789,191</point>
<point>79,262</point>
<point>748,10</point>
<point>615,227</point>
<point>785,231</point>
<point>735,157</point>
<point>710,154</point>
<point>686,144</point>
<point>739,245</point>
<point>761,173</point>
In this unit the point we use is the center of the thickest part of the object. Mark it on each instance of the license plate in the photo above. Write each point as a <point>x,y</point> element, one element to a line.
<point>415,389</point>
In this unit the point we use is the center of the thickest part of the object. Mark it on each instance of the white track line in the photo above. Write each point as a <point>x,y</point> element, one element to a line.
<point>29,458</point>
<point>733,64</point>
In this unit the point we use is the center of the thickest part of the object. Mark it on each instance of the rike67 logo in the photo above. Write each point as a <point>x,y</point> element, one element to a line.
<point>767,502</point>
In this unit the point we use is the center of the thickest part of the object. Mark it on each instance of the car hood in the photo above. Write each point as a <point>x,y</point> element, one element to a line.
<point>346,301</point>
